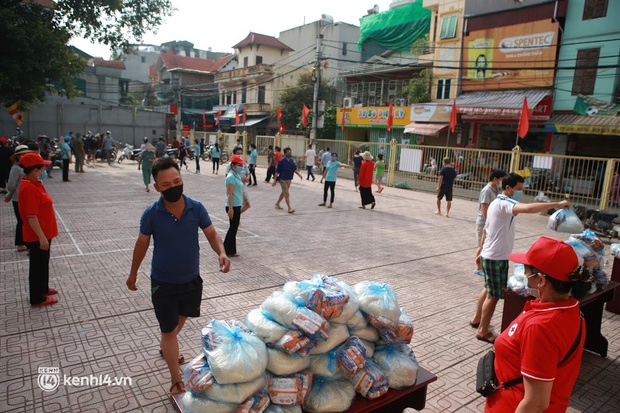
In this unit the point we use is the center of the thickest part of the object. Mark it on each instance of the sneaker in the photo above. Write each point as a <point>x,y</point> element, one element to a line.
<point>479,272</point>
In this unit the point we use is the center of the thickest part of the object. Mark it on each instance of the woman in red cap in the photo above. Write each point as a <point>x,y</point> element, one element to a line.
<point>37,212</point>
<point>235,199</point>
<point>542,348</point>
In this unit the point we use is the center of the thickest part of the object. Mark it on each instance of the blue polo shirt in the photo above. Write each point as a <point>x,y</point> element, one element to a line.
<point>332,171</point>
<point>176,253</point>
<point>286,168</point>
<point>234,179</point>
<point>253,156</point>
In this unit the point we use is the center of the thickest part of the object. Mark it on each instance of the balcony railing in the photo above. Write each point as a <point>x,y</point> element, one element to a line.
<point>253,108</point>
<point>244,72</point>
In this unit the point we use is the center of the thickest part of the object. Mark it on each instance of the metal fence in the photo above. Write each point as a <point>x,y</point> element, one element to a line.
<point>591,182</point>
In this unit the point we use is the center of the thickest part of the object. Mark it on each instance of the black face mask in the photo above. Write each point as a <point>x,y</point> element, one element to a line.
<point>173,194</point>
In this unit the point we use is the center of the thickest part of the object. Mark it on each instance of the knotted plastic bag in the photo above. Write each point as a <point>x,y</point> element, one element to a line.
<point>329,395</point>
<point>378,299</point>
<point>238,356</point>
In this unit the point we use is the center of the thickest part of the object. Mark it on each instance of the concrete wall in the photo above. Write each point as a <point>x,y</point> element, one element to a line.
<point>59,116</point>
<point>492,6</point>
<point>135,69</point>
<point>270,55</point>
<point>603,32</point>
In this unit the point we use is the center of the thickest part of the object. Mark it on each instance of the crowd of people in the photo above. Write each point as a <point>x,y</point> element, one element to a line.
<point>533,348</point>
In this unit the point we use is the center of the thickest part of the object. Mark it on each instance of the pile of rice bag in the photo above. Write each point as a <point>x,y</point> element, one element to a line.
<point>591,252</point>
<point>314,344</point>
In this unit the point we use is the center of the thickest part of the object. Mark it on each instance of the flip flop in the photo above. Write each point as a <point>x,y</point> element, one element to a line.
<point>474,325</point>
<point>278,207</point>
<point>487,338</point>
<point>181,358</point>
<point>329,206</point>
<point>48,301</point>
<point>51,291</point>
<point>372,206</point>
<point>177,388</point>
<point>322,204</point>
<point>290,211</point>
<point>362,207</point>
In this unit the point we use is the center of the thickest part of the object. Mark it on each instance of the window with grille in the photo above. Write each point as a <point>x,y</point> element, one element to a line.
<point>259,60</point>
<point>245,61</point>
<point>443,88</point>
<point>344,49</point>
<point>585,72</point>
<point>594,9</point>
<point>448,27</point>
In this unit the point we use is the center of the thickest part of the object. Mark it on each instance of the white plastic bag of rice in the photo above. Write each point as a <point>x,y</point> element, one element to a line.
<point>329,395</point>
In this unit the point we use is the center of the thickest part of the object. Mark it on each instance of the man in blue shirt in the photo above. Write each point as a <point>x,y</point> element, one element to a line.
<point>326,156</point>
<point>284,173</point>
<point>107,146</point>
<point>444,186</point>
<point>330,174</point>
<point>65,151</point>
<point>252,167</point>
<point>176,286</point>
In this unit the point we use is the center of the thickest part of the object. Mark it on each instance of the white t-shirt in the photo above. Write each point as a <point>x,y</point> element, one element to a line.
<point>310,157</point>
<point>500,229</point>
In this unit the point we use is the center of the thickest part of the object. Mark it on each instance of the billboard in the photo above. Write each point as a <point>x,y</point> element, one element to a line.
<point>374,116</point>
<point>521,56</point>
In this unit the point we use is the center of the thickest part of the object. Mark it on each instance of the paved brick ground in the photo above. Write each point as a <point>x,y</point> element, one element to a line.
<point>99,327</point>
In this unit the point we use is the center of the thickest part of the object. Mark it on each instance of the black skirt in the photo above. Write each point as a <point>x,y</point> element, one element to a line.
<point>367,196</point>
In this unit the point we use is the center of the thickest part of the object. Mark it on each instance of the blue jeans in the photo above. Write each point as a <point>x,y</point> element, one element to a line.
<point>309,169</point>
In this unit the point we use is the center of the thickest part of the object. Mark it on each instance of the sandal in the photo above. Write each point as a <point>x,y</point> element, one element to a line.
<point>487,338</point>
<point>322,204</point>
<point>278,207</point>
<point>181,358</point>
<point>177,388</point>
<point>51,291</point>
<point>48,301</point>
<point>291,211</point>
<point>474,325</point>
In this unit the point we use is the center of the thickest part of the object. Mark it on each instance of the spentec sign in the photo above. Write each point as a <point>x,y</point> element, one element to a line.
<point>520,56</point>
<point>519,43</point>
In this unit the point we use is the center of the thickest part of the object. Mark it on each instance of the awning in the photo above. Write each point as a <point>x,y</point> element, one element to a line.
<point>498,103</point>
<point>595,125</point>
<point>250,122</point>
<point>428,129</point>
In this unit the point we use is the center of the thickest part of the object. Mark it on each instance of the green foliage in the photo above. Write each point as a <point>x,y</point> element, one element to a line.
<point>35,59</point>
<point>419,88</point>
<point>293,98</point>
<point>329,124</point>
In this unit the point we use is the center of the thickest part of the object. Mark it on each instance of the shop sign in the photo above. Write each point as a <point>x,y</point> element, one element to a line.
<point>511,57</point>
<point>374,116</point>
<point>588,106</point>
<point>430,112</point>
<point>588,129</point>
<point>541,112</point>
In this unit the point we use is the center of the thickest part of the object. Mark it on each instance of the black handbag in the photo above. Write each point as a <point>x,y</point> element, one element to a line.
<point>486,379</point>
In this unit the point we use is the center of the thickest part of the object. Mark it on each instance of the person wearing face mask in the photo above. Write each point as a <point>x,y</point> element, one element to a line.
<point>45,150</point>
<point>542,348</point>
<point>176,286</point>
<point>497,242</point>
<point>235,200</point>
<point>330,173</point>
<point>15,177</point>
<point>39,227</point>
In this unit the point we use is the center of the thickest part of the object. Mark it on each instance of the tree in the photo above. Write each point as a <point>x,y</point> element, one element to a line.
<point>35,59</point>
<point>419,88</point>
<point>294,97</point>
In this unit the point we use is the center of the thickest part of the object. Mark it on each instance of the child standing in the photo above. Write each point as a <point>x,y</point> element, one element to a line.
<point>379,171</point>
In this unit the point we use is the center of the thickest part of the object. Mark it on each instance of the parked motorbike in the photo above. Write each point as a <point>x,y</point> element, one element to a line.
<point>172,152</point>
<point>56,156</point>
<point>602,223</point>
<point>129,152</point>
<point>100,155</point>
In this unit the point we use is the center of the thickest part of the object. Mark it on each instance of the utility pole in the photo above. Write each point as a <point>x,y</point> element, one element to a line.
<point>316,78</point>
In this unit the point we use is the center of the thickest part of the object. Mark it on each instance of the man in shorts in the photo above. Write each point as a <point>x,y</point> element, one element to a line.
<point>284,173</point>
<point>497,240</point>
<point>176,286</point>
<point>444,186</point>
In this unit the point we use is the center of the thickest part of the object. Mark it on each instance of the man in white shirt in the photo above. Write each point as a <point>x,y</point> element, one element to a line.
<point>310,158</point>
<point>497,240</point>
<point>487,195</point>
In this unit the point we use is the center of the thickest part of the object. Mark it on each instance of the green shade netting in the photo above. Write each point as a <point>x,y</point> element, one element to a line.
<point>396,29</point>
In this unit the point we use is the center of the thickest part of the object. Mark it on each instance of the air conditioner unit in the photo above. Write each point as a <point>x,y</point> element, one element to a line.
<point>400,102</point>
<point>348,103</point>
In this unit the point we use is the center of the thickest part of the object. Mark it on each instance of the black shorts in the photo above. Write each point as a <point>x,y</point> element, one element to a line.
<point>445,191</point>
<point>173,300</point>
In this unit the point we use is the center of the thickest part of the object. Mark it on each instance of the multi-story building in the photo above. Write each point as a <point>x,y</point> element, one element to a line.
<point>253,86</point>
<point>586,107</point>
<point>509,53</point>
<point>391,44</point>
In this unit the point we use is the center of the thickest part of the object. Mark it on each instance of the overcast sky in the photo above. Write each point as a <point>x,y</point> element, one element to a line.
<point>220,25</point>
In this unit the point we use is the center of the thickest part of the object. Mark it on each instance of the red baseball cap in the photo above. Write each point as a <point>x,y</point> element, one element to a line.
<point>3,140</point>
<point>553,257</point>
<point>237,159</point>
<point>32,159</point>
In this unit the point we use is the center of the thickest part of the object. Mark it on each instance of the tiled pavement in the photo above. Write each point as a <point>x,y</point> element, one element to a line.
<point>101,328</point>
